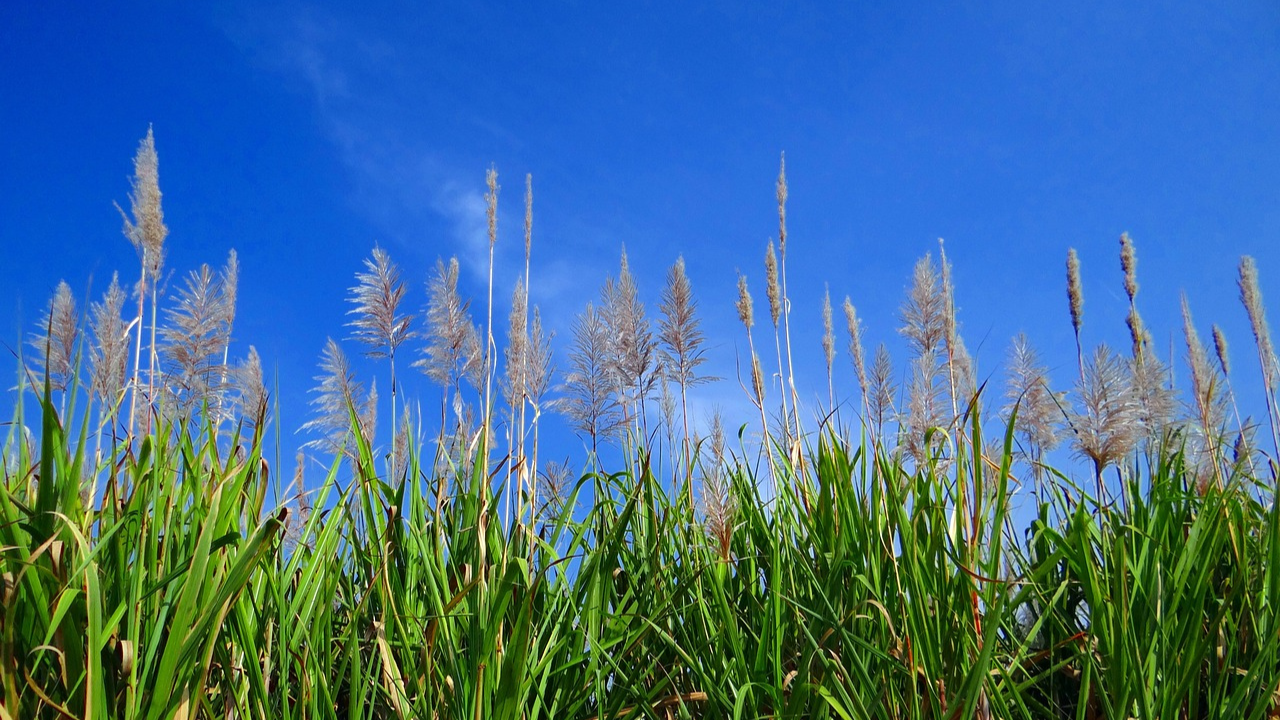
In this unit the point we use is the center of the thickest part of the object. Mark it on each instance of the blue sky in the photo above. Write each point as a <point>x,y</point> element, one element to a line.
<point>300,134</point>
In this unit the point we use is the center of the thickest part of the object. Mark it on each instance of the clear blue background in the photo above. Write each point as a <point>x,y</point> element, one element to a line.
<point>300,134</point>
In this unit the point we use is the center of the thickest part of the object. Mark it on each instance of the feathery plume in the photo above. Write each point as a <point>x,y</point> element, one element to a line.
<point>1244,448</point>
<point>782,206</point>
<point>517,350</point>
<point>453,350</point>
<point>775,294</point>
<point>401,446</point>
<point>854,326</point>
<point>1220,349</point>
<point>960,370</point>
<point>829,345</point>
<point>924,313</point>
<point>680,329</point>
<point>379,324</point>
<point>757,381</point>
<point>1251,296</point>
<point>515,391</point>
<point>1038,412</point>
<point>589,403</point>
<point>949,327</point>
<point>1137,330</point>
<point>109,354</point>
<point>682,338</point>
<point>1209,405</point>
<point>632,353</point>
<point>193,341</point>
<point>554,485</point>
<point>146,230</point>
<point>55,341</point>
<point>228,292</point>
<point>528,215</point>
<point>1075,299</point>
<point>108,362</point>
<point>491,203</point>
<point>1129,265</point>
<point>296,523</point>
<point>1157,401</point>
<point>377,296</point>
<point>1105,419</point>
<point>881,389</point>
<point>772,289</point>
<point>491,214</point>
<point>788,376</point>
<point>253,398</point>
<point>718,508</point>
<point>539,368</point>
<point>965,383</point>
<point>746,312</point>
<point>336,396</point>
<point>229,289</point>
<point>925,407</point>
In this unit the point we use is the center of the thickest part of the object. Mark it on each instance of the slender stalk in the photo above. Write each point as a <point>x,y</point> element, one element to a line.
<point>786,307</point>
<point>137,354</point>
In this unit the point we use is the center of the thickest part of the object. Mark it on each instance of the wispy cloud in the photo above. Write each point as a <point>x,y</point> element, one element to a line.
<point>398,178</point>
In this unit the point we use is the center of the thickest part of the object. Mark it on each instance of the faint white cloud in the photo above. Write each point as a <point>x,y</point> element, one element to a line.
<point>466,211</point>
<point>397,178</point>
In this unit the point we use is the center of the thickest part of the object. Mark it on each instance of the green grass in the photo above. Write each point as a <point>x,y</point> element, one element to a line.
<point>865,588</point>
<point>157,565</point>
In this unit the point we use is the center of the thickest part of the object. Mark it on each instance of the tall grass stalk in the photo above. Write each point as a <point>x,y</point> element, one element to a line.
<point>857,581</point>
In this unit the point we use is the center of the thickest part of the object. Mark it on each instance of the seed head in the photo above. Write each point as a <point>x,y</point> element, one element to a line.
<point>828,333</point>
<point>1106,418</point>
<point>773,289</point>
<point>855,344</point>
<point>1129,264</point>
<point>109,354</point>
<point>1075,295</point>
<point>1251,296</point>
<point>55,340</point>
<point>757,379</point>
<point>1038,413</point>
<point>745,312</point>
<point>528,215</point>
<point>924,311</point>
<point>782,206</point>
<point>1220,347</point>
<point>146,229</point>
<point>491,204</point>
